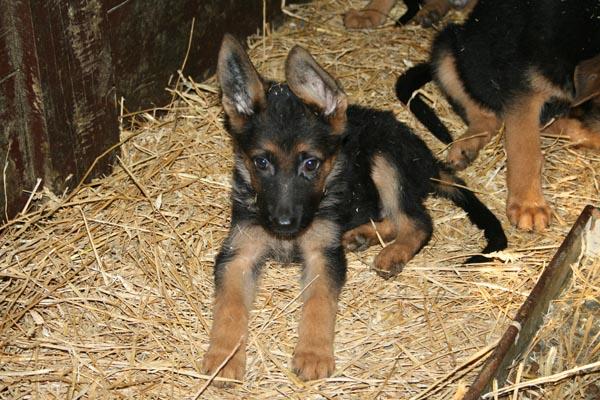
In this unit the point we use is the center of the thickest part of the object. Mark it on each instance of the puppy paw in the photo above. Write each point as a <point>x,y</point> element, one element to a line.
<point>311,363</point>
<point>427,20</point>
<point>356,239</point>
<point>391,260</point>
<point>530,216</point>
<point>234,369</point>
<point>460,156</point>
<point>363,19</point>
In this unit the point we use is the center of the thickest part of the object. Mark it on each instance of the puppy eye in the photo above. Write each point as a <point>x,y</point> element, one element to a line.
<point>261,163</point>
<point>311,164</point>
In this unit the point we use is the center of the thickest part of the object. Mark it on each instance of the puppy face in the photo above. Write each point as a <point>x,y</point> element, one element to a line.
<point>286,135</point>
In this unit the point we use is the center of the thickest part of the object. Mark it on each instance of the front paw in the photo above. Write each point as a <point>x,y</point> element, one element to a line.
<point>355,240</point>
<point>315,362</point>
<point>391,260</point>
<point>460,155</point>
<point>233,369</point>
<point>529,215</point>
<point>363,19</point>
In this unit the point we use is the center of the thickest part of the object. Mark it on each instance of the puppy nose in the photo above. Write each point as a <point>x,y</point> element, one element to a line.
<point>283,220</point>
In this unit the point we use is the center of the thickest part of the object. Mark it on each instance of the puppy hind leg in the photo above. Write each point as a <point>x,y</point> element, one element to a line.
<point>483,124</point>
<point>413,227</point>
<point>482,127</point>
<point>414,231</point>
<point>367,235</point>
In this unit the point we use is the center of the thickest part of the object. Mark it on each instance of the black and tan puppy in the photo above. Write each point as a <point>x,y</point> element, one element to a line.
<point>424,12</point>
<point>311,176</point>
<point>510,64</point>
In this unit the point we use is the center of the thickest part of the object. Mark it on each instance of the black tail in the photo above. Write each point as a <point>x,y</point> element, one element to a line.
<point>412,8</point>
<point>478,213</point>
<point>406,85</point>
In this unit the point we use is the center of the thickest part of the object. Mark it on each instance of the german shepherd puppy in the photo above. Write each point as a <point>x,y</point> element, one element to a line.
<point>515,63</point>
<point>424,12</point>
<point>311,176</point>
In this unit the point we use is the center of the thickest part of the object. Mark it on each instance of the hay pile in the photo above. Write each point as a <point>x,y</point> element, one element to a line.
<point>568,342</point>
<point>107,293</point>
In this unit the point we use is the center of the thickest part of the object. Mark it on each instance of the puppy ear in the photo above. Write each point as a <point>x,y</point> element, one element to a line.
<point>314,86</point>
<point>587,80</point>
<point>242,87</point>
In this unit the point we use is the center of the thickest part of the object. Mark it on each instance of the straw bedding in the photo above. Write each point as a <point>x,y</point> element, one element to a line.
<point>107,293</point>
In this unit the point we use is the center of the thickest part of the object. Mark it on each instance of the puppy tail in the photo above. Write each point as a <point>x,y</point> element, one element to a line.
<point>412,8</point>
<point>406,85</point>
<point>454,188</point>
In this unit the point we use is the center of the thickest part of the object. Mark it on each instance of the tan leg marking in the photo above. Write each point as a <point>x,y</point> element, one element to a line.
<point>365,235</point>
<point>526,207</point>
<point>409,237</point>
<point>233,300</point>
<point>432,12</point>
<point>577,131</point>
<point>374,14</point>
<point>391,260</point>
<point>313,355</point>
<point>483,124</point>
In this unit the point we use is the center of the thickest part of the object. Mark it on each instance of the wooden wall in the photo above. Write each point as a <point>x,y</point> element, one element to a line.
<point>64,64</point>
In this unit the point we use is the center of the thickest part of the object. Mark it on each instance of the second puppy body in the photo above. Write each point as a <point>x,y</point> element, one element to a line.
<point>510,64</point>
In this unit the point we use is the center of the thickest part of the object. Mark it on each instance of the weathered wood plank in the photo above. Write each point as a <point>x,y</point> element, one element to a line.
<point>530,315</point>
<point>63,63</point>
<point>24,133</point>
<point>77,87</point>
<point>57,99</point>
<point>149,39</point>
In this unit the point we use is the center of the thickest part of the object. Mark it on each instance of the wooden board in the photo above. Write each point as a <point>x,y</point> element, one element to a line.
<point>149,39</point>
<point>530,315</point>
<point>65,63</point>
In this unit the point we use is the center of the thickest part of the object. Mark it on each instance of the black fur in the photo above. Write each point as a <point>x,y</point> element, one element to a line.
<point>412,8</point>
<point>308,168</point>
<point>500,43</point>
<point>406,85</point>
<point>502,40</point>
<point>349,198</point>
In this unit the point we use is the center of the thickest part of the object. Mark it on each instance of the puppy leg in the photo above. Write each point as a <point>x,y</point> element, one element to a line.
<point>432,12</point>
<point>325,270</point>
<point>526,207</point>
<point>413,233</point>
<point>577,131</point>
<point>483,123</point>
<point>412,224</point>
<point>374,14</point>
<point>365,235</point>
<point>235,278</point>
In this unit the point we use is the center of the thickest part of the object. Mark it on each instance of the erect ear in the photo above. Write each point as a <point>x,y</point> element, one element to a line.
<point>587,80</point>
<point>242,87</point>
<point>314,86</point>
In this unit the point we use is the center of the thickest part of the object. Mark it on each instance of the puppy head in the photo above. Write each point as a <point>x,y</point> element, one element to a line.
<point>286,136</point>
